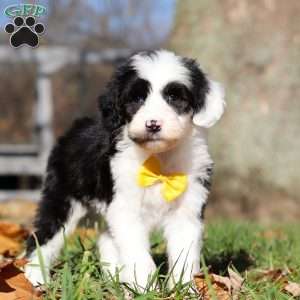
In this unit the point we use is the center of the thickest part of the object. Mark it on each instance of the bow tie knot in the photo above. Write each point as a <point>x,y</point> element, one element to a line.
<point>173,185</point>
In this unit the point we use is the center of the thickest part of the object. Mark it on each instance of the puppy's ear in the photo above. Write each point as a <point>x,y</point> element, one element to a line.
<point>213,106</point>
<point>109,103</point>
<point>108,107</point>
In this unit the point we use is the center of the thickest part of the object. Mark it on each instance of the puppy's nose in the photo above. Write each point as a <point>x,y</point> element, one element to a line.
<point>153,126</point>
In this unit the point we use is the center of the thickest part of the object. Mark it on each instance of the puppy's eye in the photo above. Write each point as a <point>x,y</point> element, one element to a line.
<point>171,97</point>
<point>138,99</point>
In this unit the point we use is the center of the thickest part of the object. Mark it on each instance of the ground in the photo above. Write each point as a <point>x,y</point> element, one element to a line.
<point>266,256</point>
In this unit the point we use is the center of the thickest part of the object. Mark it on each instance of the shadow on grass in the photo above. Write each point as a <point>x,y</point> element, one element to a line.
<point>219,263</point>
<point>161,260</point>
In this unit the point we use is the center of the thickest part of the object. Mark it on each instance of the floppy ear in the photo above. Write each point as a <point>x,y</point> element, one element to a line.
<point>213,106</point>
<point>110,103</point>
<point>108,107</point>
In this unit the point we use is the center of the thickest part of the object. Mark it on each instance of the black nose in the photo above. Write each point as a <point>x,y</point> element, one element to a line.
<point>153,126</point>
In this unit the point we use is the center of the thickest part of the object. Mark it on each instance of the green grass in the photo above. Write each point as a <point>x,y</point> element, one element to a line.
<point>246,247</point>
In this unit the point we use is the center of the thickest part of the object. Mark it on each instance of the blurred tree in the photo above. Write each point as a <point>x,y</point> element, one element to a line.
<point>90,25</point>
<point>100,24</point>
<point>253,48</point>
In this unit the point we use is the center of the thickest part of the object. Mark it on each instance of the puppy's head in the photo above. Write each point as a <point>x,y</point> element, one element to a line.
<point>159,97</point>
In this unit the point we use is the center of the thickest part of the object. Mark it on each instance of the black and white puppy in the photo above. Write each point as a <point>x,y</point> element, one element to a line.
<point>157,104</point>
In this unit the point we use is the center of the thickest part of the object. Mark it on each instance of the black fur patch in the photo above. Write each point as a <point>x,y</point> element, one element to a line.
<point>202,213</point>
<point>124,95</point>
<point>206,181</point>
<point>134,96</point>
<point>78,168</point>
<point>178,96</point>
<point>200,85</point>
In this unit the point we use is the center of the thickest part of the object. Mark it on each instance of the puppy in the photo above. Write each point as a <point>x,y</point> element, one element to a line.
<point>153,114</point>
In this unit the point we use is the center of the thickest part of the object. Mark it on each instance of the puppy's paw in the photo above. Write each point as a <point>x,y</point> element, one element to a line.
<point>183,275</point>
<point>138,272</point>
<point>34,275</point>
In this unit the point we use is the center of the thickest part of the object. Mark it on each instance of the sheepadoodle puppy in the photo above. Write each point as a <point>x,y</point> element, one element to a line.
<point>142,164</point>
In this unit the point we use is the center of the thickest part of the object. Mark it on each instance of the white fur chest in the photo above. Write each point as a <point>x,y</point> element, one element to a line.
<point>191,158</point>
<point>153,206</point>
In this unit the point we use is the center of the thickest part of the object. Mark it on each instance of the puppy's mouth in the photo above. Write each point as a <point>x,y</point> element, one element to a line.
<point>154,143</point>
<point>146,139</point>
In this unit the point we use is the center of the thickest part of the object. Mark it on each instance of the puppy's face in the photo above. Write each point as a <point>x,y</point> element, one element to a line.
<point>160,97</point>
<point>159,111</point>
<point>163,116</point>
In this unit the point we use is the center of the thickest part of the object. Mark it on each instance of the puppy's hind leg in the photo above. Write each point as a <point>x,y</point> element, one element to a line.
<point>55,220</point>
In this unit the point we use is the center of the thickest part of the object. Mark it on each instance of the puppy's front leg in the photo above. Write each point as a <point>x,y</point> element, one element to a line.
<point>183,232</point>
<point>131,237</point>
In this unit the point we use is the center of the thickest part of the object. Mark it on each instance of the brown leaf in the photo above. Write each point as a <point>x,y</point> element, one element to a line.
<point>224,287</point>
<point>222,280</point>
<point>276,275</point>
<point>9,247</point>
<point>13,283</point>
<point>19,263</point>
<point>4,263</point>
<point>12,230</point>
<point>236,282</point>
<point>293,288</point>
<point>281,276</point>
<point>11,238</point>
<point>272,234</point>
<point>202,286</point>
<point>221,286</point>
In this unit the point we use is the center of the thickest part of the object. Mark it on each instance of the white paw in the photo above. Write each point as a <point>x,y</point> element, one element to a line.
<point>183,274</point>
<point>34,275</point>
<point>138,273</point>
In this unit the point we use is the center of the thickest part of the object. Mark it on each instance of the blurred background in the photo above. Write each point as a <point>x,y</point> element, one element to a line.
<point>252,47</point>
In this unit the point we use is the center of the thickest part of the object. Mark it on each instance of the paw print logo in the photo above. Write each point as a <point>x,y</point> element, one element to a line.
<point>24,32</point>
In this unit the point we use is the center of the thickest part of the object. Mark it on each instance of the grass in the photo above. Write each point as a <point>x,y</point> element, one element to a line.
<point>246,247</point>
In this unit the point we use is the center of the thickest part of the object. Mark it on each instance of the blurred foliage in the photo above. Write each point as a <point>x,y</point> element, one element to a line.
<point>253,48</point>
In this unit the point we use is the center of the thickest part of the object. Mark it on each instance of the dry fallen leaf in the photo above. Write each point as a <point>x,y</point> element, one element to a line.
<point>9,247</point>
<point>281,276</point>
<point>13,283</point>
<point>236,283</point>
<point>221,287</point>
<point>276,275</point>
<point>222,280</point>
<point>293,288</point>
<point>4,263</point>
<point>272,234</point>
<point>11,238</point>
<point>13,230</point>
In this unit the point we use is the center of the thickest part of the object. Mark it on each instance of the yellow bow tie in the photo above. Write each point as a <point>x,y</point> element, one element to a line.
<point>173,184</point>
